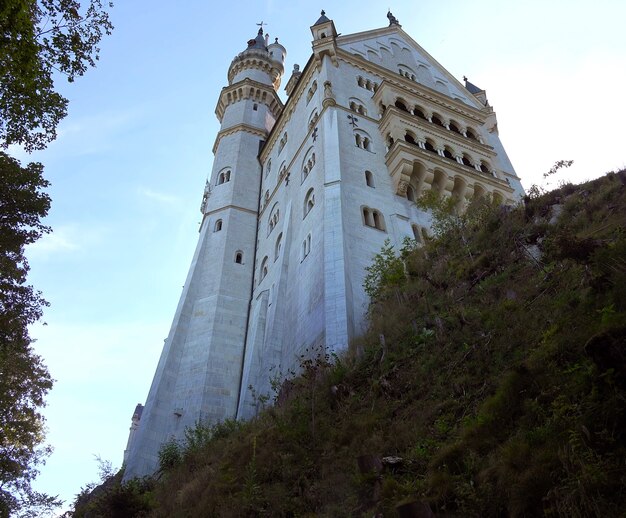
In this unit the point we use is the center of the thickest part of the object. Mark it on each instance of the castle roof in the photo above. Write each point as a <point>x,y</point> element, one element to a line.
<point>322,19</point>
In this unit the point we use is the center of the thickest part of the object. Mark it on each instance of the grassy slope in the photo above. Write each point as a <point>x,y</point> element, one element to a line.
<point>500,384</point>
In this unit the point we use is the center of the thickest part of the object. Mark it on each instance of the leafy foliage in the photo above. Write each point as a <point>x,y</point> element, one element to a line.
<point>39,38</point>
<point>491,382</point>
<point>24,380</point>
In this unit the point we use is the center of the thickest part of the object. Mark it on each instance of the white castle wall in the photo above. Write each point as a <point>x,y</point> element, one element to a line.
<point>299,289</point>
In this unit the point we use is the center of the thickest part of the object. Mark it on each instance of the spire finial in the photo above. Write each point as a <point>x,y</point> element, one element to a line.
<point>323,13</point>
<point>261,26</point>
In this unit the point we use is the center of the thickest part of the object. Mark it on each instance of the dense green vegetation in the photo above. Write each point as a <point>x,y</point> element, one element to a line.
<point>491,382</point>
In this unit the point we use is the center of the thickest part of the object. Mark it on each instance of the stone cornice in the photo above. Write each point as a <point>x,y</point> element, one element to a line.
<point>234,129</point>
<point>250,90</point>
<point>434,130</point>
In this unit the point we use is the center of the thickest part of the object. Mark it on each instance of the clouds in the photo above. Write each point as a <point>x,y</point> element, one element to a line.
<point>159,197</point>
<point>67,240</point>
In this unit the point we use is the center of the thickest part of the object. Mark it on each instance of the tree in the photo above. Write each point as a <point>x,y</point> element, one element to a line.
<point>24,380</point>
<point>37,39</point>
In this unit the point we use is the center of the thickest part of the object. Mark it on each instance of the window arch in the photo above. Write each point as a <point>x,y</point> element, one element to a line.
<point>311,91</point>
<point>356,105</point>
<point>218,226</point>
<point>313,120</point>
<point>484,167</point>
<point>306,247</point>
<point>268,167</point>
<point>307,163</point>
<point>429,145</point>
<point>448,153</point>
<point>467,160</point>
<point>274,217</point>
<point>239,257</point>
<point>406,71</point>
<point>369,179</point>
<point>263,271</point>
<point>223,176</point>
<point>278,245</point>
<point>373,218</point>
<point>363,140</point>
<point>309,201</point>
<point>401,105</point>
<point>417,234</point>
<point>410,138</point>
<point>437,119</point>
<point>410,193</point>
<point>420,112</point>
<point>454,126</point>
<point>471,134</point>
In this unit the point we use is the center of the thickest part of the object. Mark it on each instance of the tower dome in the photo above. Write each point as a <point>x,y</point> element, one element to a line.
<point>259,62</point>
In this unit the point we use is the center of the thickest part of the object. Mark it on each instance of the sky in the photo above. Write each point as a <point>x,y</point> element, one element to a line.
<point>131,159</point>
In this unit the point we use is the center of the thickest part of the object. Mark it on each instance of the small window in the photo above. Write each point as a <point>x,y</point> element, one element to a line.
<point>278,245</point>
<point>218,226</point>
<point>263,268</point>
<point>373,218</point>
<point>309,202</point>
<point>369,179</point>
<point>410,193</point>
<point>306,247</point>
<point>239,257</point>
<point>223,177</point>
<point>255,106</point>
<point>417,235</point>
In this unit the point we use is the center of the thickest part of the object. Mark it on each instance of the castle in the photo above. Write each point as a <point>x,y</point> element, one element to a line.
<point>302,195</point>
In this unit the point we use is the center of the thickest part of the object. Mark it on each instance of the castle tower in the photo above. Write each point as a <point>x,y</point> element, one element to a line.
<point>198,374</point>
<point>300,200</point>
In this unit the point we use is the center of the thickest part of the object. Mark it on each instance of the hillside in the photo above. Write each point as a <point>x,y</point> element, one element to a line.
<point>491,382</point>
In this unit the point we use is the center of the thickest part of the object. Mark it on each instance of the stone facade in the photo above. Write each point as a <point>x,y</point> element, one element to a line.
<point>301,197</point>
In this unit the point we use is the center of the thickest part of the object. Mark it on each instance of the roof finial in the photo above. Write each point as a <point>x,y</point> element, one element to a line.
<point>323,13</point>
<point>261,26</point>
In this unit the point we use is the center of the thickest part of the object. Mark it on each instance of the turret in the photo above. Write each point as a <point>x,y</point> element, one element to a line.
<point>259,62</point>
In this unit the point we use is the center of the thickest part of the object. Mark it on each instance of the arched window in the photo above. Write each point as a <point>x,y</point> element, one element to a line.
<point>273,218</point>
<point>309,202</point>
<point>470,134</point>
<point>255,106</point>
<point>410,138</point>
<point>419,112</point>
<point>429,146</point>
<point>218,226</point>
<point>401,106</point>
<point>362,140</point>
<point>306,247</point>
<point>417,235</point>
<point>268,167</point>
<point>410,193</point>
<point>437,120</point>
<point>278,245</point>
<point>369,179</point>
<point>484,168</point>
<point>307,163</point>
<point>447,152</point>
<point>466,160</point>
<point>454,127</point>
<point>223,177</point>
<point>373,218</point>
<point>263,268</point>
<point>239,257</point>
